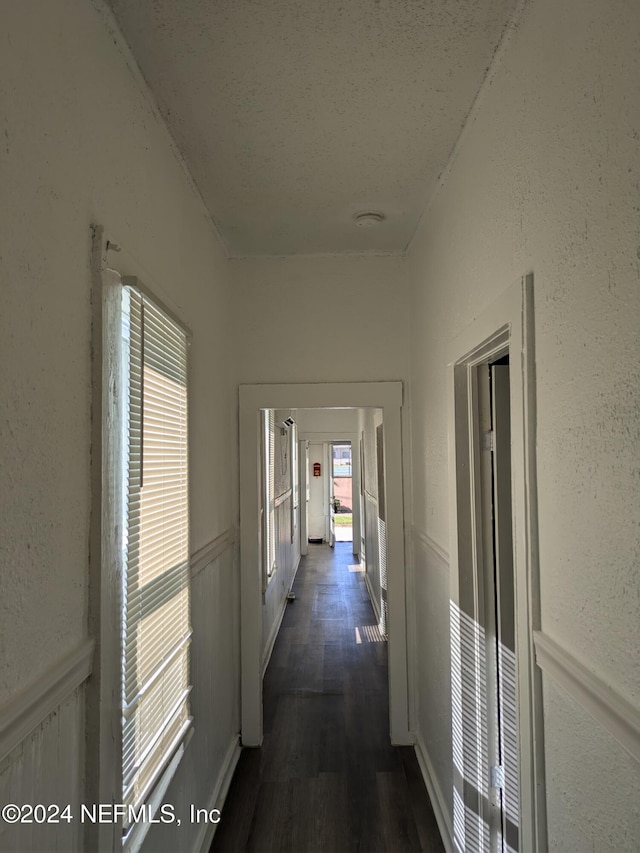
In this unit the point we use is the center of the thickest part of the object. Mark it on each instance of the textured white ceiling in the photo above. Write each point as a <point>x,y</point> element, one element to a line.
<point>292,115</point>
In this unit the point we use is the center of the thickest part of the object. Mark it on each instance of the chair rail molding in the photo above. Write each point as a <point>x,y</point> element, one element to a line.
<point>31,707</point>
<point>430,545</point>
<point>605,704</point>
<point>201,558</point>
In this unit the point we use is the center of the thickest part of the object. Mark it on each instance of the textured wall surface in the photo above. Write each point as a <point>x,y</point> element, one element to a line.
<point>546,180</point>
<point>593,816</point>
<point>81,144</point>
<point>429,662</point>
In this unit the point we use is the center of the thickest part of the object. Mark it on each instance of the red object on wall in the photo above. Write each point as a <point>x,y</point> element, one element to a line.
<point>316,469</point>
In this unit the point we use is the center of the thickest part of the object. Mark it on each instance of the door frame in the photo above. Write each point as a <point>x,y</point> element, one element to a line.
<point>506,324</point>
<point>303,488</point>
<point>335,437</point>
<point>254,398</point>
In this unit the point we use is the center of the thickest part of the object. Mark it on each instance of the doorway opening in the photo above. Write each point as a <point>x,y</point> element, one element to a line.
<point>497,721</point>
<point>261,611</point>
<point>496,604</point>
<point>341,499</point>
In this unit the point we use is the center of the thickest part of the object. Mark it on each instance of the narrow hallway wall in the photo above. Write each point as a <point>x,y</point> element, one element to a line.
<point>545,179</point>
<point>83,145</point>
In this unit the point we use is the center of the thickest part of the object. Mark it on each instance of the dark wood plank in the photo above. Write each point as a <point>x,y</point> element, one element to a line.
<point>327,777</point>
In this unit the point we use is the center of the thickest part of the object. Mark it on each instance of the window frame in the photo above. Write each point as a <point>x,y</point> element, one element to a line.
<point>106,561</point>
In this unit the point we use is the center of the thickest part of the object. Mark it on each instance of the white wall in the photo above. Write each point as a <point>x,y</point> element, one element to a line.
<point>331,421</point>
<point>368,421</point>
<point>545,180</point>
<point>318,509</point>
<point>320,319</point>
<point>82,145</point>
<point>317,319</point>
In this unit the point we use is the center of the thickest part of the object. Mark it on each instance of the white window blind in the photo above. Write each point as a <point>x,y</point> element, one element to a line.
<point>269,509</point>
<point>156,626</point>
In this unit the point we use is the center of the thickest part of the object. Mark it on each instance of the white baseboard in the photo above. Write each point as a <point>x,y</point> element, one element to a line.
<point>295,571</point>
<point>273,635</point>
<point>275,629</point>
<point>374,603</point>
<point>219,794</point>
<point>434,790</point>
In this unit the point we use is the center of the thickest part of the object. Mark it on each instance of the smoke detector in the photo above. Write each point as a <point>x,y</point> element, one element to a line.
<point>368,218</point>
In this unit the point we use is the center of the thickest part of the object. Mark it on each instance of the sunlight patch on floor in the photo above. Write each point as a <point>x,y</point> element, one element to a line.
<point>369,634</point>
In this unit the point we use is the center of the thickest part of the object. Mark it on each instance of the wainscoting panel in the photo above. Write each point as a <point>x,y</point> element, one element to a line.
<point>613,711</point>
<point>42,729</point>
<point>287,560</point>
<point>372,565</point>
<point>46,767</point>
<point>430,675</point>
<point>203,775</point>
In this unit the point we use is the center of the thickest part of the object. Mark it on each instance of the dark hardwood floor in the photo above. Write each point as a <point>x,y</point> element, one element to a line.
<point>327,777</point>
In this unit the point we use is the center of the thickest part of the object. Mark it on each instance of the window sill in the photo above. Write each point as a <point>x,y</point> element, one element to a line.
<point>133,841</point>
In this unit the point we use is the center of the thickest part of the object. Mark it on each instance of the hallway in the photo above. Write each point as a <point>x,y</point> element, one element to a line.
<point>326,777</point>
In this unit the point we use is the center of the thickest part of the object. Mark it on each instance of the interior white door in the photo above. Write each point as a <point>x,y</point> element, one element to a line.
<point>498,612</point>
<point>318,500</point>
<point>504,593</point>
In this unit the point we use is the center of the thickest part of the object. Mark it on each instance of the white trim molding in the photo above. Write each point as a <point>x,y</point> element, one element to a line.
<point>273,636</point>
<point>219,793</point>
<point>431,546</point>
<point>282,498</point>
<point>372,597</point>
<point>438,801</point>
<point>31,707</point>
<point>615,713</point>
<point>424,549</point>
<point>277,622</point>
<point>201,558</point>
